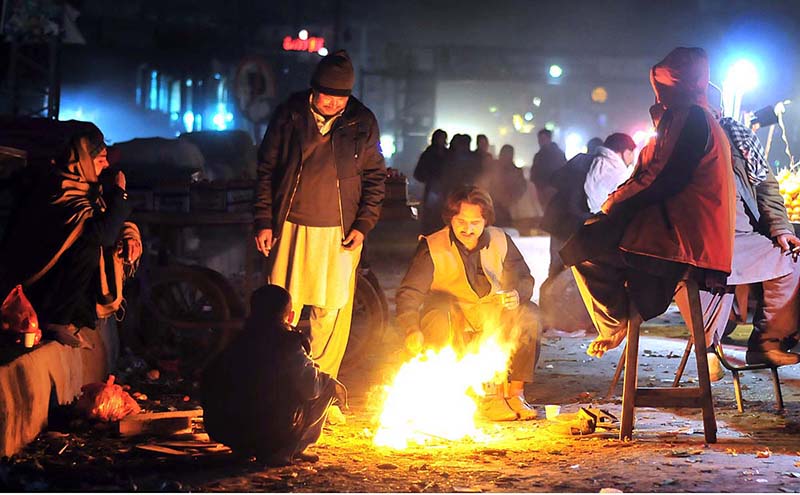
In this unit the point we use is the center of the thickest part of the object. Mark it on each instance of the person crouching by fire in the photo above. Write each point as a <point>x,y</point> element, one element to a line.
<point>263,395</point>
<point>466,280</point>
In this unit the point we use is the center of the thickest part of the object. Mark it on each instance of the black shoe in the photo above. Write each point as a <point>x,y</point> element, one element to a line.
<point>773,357</point>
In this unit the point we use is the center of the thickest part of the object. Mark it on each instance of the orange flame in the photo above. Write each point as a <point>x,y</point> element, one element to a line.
<point>434,396</point>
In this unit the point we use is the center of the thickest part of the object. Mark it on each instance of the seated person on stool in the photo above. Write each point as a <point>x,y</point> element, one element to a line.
<point>450,294</point>
<point>762,241</point>
<point>672,219</point>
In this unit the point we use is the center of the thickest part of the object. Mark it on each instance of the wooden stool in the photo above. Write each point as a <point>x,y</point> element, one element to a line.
<point>698,397</point>
<point>735,370</point>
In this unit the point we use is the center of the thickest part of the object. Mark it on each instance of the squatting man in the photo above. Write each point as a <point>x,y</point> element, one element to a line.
<point>466,280</point>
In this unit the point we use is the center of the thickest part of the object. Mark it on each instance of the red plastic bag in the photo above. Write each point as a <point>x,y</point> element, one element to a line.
<point>17,314</point>
<point>106,401</point>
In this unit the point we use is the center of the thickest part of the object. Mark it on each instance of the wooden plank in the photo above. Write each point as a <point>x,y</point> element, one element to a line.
<point>164,423</point>
<point>161,450</point>
<point>151,416</point>
<point>190,444</point>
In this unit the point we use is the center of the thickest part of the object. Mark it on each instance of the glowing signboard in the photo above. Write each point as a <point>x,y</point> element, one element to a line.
<point>312,44</point>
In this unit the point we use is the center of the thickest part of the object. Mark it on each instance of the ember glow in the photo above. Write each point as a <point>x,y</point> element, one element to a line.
<point>435,395</point>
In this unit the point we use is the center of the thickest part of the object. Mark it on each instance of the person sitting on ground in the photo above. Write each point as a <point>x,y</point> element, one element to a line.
<point>68,243</point>
<point>673,219</point>
<point>263,395</point>
<point>468,279</point>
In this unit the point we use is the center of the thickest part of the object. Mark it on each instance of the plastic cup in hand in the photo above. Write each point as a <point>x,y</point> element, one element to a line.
<point>503,295</point>
<point>551,411</point>
<point>28,339</point>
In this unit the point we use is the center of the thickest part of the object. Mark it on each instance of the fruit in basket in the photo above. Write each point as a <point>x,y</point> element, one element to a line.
<point>789,187</point>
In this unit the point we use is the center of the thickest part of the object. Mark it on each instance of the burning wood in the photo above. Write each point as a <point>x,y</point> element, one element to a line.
<point>436,394</point>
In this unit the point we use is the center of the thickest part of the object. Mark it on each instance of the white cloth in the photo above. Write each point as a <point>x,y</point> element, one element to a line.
<point>607,172</point>
<point>312,265</point>
<point>756,257</point>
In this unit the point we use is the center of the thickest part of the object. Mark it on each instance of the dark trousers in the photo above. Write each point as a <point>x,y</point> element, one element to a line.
<point>556,264</point>
<point>608,284</point>
<point>442,323</point>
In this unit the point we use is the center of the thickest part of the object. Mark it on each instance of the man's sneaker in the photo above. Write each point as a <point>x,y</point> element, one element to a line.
<point>715,371</point>
<point>497,409</point>
<point>773,357</point>
<point>524,410</point>
<point>336,416</point>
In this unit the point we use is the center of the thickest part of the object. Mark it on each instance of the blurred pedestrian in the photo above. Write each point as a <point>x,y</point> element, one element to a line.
<point>549,159</point>
<point>506,185</point>
<point>592,145</point>
<point>611,167</point>
<point>429,171</point>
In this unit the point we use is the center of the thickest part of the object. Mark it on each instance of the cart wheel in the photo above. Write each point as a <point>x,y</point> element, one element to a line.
<point>370,318</point>
<point>172,297</point>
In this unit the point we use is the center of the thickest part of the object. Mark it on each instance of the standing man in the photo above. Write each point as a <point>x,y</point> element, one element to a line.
<point>546,162</point>
<point>319,193</point>
<point>467,279</point>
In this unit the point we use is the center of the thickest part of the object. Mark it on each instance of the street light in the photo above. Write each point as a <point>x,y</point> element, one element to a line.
<point>742,77</point>
<point>555,71</point>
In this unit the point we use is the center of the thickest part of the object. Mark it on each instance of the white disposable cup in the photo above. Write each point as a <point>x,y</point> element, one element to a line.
<point>29,339</point>
<point>551,411</point>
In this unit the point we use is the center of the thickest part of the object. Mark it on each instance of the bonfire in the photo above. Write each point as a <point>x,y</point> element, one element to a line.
<point>435,395</point>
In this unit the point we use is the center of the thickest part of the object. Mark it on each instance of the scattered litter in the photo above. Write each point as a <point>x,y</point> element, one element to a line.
<point>791,474</point>
<point>153,375</point>
<point>387,465</point>
<point>186,398</point>
<point>610,490</point>
<point>63,448</point>
<point>667,482</point>
<point>684,453</point>
<point>106,401</point>
<point>575,466</point>
<point>465,489</point>
<point>763,454</point>
<point>762,480</point>
<point>731,452</point>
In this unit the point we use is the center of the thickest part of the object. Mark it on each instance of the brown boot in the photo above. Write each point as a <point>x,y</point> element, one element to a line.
<point>497,409</point>
<point>525,411</point>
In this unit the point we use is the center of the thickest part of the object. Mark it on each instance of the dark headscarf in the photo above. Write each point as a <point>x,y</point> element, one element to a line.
<point>52,216</point>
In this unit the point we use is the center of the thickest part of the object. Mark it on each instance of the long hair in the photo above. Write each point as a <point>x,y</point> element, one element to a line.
<point>468,194</point>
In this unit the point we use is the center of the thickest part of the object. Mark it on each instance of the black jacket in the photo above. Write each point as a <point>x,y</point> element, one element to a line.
<point>568,209</point>
<point>360,167</point>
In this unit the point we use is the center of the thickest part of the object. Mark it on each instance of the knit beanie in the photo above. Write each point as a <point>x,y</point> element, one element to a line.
<point>334,75</point>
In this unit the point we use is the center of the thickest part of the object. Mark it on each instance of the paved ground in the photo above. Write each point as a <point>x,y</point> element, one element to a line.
<point>757,450</point>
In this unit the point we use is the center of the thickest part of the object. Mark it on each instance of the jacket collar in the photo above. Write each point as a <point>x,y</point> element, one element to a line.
<point>354,111</point>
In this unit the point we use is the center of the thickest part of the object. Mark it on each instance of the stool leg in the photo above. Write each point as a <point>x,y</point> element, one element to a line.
<point>617,373</point>
<point>682,365</point>
<point>737,390</point>
<point>631,368</point>
<point>776,383</point>
<point>706,400</point>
